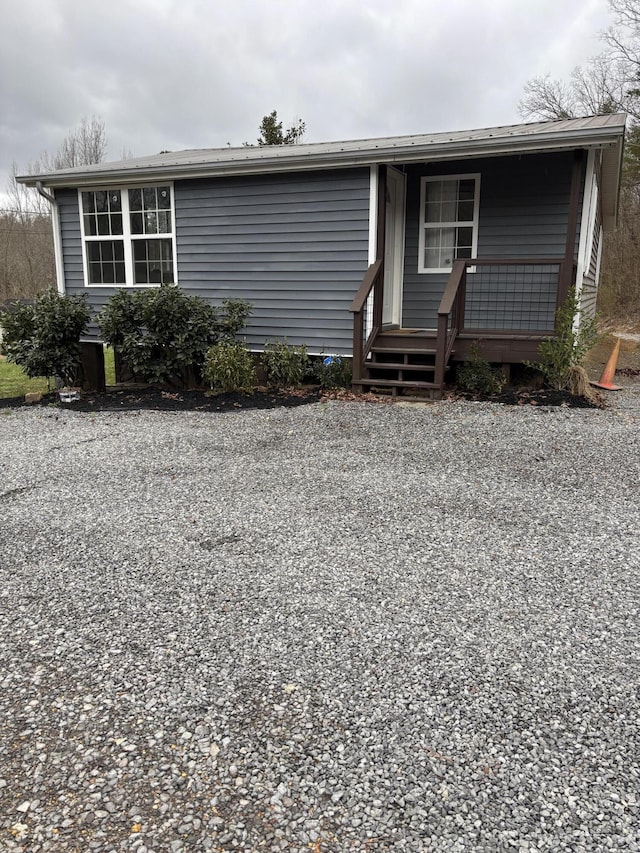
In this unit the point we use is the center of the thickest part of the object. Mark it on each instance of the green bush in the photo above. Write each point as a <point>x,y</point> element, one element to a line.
<point>44,338</point>
<point>561,356</point>
<point>163,335</point>
<point>477,376</point>
<point>285,365</point>
<point>333,371</point>
<point>229,367</point>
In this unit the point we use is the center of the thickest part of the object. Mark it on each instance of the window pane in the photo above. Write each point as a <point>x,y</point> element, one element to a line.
<point>135,199</point>
<point>465,237</point>
<point>107,251</point>
<point>164,198</point>
<point>448,211</point>
<point>90,225</point>
<point>103,224</point>
<point>433,191</point>
<point>432,248</point>
<point>150,198</point>
<point>151,223</point>
<point>88,205</point>
<point>95,273</point>
<point>446,256</point>
<point>136,223</point>
<point>115,202</point>
<point>93,251</point>
<point>116,223</point>
<point>164,222</point>
<point>432,258</point>
<point>465,211</point>
<point>119,274</point>
<point>432,212</point>
<point>101,202</point>
<point>140,250</point>
<point>463,252</point>
<point>466,190</point>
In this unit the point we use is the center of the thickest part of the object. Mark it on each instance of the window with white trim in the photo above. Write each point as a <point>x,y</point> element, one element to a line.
<point>449,207</point>
<point>128,236</point>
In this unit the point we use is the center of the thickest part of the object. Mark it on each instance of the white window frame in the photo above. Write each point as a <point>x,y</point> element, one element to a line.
<point>127,237</point>
<point>426,179</point>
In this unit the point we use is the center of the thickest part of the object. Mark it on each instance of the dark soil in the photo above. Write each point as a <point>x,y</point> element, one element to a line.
<point>545,397</point>
<point>170,400</point>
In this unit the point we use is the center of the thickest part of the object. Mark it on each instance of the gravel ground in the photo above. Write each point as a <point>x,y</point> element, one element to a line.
<point>340,627</point>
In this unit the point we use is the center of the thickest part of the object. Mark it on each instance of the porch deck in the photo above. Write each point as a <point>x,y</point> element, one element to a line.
<point>416,359</point>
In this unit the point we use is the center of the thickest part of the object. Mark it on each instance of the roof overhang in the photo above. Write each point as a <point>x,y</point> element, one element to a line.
<point>605,133</point>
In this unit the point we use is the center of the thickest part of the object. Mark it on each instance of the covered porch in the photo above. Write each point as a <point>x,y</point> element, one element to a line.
<point>410,322</point>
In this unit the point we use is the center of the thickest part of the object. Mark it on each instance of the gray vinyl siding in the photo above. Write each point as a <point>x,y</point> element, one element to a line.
<point>71,238</point>
<point>294,245</point>
<point>524,204</point>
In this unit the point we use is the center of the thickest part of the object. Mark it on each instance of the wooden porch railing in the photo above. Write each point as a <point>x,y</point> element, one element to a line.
<point>455,301</point>
<point>450,317</point>
<point>363,339</point>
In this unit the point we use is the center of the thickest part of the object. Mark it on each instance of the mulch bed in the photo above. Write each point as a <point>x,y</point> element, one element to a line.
<point>172,400</point>
<point>542,397</point>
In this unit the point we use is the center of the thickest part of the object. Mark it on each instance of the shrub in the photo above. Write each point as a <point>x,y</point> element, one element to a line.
<point>562,355</point>
<point>163,334</point>
<point>333,371</point>
<point>44,338</point>
<point>229,367</point>
<point>477,376</point>
<point>235,313</point>
<point>285,365</point>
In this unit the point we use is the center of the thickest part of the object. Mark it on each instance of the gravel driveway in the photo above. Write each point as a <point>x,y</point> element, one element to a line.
<point>342,627</point>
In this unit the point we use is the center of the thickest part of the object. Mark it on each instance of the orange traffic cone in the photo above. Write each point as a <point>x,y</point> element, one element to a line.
<point>609,372</point>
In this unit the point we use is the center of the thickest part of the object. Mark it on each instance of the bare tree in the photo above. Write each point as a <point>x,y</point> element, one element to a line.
<point>26,238</point>
<point>609,82</point>
<point>597,88</point>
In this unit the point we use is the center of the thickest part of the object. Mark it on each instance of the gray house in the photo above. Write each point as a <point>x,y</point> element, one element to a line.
<point>398,251</point>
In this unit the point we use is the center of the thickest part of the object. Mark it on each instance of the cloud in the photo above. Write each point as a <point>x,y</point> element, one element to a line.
<point>173,74</point>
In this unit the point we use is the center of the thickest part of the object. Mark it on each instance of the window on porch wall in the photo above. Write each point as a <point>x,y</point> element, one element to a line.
<point>449,206</point>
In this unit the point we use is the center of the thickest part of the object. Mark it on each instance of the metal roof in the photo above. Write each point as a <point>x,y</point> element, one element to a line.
<point>605,132</point>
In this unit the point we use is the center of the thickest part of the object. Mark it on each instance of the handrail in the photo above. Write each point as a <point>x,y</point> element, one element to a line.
<point>364,290</point>
<point>451,290</point>
<point>362,347</point>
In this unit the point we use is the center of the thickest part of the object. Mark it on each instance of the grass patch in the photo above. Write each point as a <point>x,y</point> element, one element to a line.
<point>109,366</point>
<point>14,382</point>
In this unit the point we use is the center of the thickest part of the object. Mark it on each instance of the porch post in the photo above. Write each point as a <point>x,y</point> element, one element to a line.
<point>565,280</point>
<point>378,294</point>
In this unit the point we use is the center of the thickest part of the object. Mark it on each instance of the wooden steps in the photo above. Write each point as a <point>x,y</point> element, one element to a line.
<point>399,369</point>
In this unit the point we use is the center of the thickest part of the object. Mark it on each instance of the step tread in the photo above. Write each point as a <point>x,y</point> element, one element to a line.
<point>396,365</point>
<point>405,350</point>
<point>400,383</point>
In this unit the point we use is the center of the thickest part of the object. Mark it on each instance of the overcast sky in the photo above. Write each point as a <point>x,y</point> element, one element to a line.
<point>174,74</point>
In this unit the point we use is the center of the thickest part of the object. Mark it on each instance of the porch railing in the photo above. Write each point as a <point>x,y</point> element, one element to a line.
<point>367,316</point>
<point>506,296</point>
